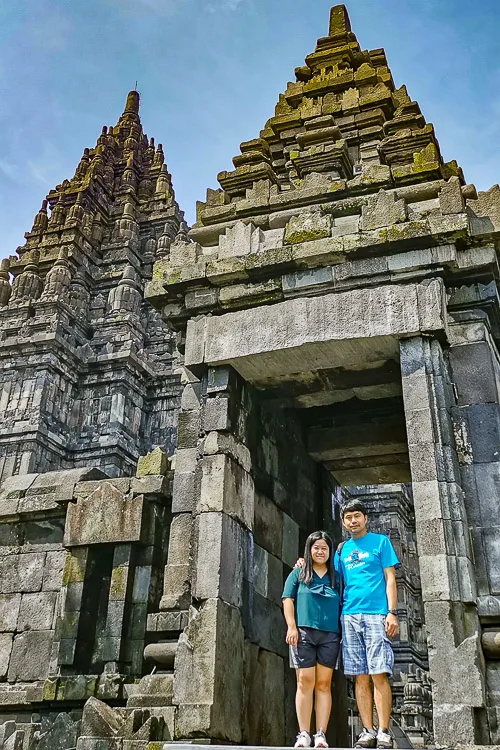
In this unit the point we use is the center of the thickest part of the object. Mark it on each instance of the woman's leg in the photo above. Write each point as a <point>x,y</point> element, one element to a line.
<point>323,688</point>
<point>304,697</point>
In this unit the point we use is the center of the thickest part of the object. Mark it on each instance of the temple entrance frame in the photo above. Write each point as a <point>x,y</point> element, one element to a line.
<point>215,496</point>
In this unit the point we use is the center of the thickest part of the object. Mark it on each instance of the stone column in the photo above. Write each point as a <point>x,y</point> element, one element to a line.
<point>213,490</point>
<point>447,575</point>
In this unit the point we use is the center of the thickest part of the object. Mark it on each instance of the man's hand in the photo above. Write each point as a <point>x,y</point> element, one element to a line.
<point>292,635</point>
<point>299,563</point>
<point>391,625</point>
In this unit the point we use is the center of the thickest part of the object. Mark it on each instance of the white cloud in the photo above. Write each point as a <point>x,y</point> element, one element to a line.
<point>12,171</point>
<point>48,166</point>
<point>157,7</point>
<point>224,5</point>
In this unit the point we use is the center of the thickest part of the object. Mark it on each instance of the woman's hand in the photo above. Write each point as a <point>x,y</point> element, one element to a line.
<point>292,635</point>
<point>299,563</point>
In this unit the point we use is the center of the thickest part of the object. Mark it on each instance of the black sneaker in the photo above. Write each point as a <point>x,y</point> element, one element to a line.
<point>367,738</point>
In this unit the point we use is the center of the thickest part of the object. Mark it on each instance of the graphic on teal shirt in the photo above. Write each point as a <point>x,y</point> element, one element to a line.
<point>361,565</point>
<point>317,605</point>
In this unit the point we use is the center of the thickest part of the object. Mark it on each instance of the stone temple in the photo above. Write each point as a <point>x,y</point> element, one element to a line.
<point>180,407</point>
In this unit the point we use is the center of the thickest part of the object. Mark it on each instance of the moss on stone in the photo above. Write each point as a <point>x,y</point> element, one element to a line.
<point>118,585</point>
<point>74,570</point>
<point>426,159</point>
<point>50,689</point>
<point>406,231</point>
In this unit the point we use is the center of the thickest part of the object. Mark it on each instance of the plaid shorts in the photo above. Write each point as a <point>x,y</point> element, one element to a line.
<point>366,648</point>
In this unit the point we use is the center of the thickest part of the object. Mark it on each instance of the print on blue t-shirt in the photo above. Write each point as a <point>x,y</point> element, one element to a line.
<point>361,565</point>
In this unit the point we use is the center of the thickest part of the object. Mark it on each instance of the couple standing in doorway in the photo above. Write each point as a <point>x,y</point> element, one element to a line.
<point>348,598</point>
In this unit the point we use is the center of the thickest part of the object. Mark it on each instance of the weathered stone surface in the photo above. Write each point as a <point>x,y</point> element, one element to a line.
<point>9,611</point>
<point>21,573</point>
<point>37,611</point>
<point>268,525</point>
<point>5,652</point>
<point>62,735</point>
<point>225,486</point>
<point>290,551</point>
<point>153,690</point>
<point>99,720</point>
<point>307,226</point>
<point>156,462</point>
<point>221,545</point>
<point>383,211</point>
<point>105,516</point>
<point>244,339</point>
<point>30,656</point>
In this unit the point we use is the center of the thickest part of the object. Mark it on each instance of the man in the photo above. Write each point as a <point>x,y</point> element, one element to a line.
<point>367,564</point>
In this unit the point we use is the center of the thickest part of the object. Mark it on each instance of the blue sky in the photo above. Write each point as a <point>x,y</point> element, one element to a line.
<point>209,72</point>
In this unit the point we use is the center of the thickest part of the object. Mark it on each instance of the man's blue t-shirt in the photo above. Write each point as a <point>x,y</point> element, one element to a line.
<point>361,565</point>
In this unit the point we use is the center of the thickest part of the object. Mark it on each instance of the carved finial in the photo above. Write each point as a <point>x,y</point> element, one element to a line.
<point>164,241</point>
<point>128,210</point>
<point>77,210</point>
<point>182,234</point>
<point>28,285</point>
<point>58,214</point>
<point>83,165</point>
<point>58,278</point>
<point>126,296</point>
<point>133,102</point>
<point>151,143</point>
<point>159,156</point>
<point>5,287</point>
<point>41,219</point>
<point>104,130</point>
<point>339,21</point>
<point>79,297</point>
<point>164,182</point>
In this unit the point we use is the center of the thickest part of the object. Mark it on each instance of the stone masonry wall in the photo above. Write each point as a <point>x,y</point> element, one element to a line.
<point>475,368</point>
<point>250,494</point>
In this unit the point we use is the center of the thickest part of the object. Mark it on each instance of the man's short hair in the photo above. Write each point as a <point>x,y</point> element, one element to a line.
<point>353,505</point>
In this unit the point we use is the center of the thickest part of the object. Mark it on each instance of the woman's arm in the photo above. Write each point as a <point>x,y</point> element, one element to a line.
<point>292,636</point>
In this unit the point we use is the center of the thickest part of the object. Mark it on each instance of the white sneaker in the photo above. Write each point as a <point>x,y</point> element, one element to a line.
<point>320,739</point>
<point>384,740</point>
<point>303,739</point>
<point>367,738</point>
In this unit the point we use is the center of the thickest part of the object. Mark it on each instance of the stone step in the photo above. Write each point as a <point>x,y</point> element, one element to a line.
<point>199,746</point>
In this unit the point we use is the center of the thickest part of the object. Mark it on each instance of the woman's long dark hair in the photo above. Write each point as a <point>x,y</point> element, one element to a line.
<point>306,574</point>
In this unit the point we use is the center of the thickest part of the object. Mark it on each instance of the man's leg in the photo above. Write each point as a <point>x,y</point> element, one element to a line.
<point>323,702</point>
<point>364,699</point>
<point>304,697</point>
<point>380,658</point>
<point>383,699</point>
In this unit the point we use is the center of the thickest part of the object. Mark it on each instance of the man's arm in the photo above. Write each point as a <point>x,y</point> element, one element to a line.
<point>292,636</point>
<point>391,623</point>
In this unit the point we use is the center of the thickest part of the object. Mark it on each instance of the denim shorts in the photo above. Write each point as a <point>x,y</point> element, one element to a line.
<point>315,647</point>
<point>366,648</point>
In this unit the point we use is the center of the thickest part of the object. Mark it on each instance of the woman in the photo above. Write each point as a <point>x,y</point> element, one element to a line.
<point>311,605</point>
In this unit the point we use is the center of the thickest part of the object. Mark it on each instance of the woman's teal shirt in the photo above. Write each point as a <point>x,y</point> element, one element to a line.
<point>316,606</point>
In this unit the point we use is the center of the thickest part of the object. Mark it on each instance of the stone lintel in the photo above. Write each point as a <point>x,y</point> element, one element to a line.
<point>309,333</point>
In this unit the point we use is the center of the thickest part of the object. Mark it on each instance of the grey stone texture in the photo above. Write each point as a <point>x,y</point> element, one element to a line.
<point>180,408</point>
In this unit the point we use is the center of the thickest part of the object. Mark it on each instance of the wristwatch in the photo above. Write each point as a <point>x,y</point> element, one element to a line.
<point>393,612</point>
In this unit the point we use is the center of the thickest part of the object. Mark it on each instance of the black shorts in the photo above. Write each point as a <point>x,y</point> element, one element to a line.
<point>315,647</point>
